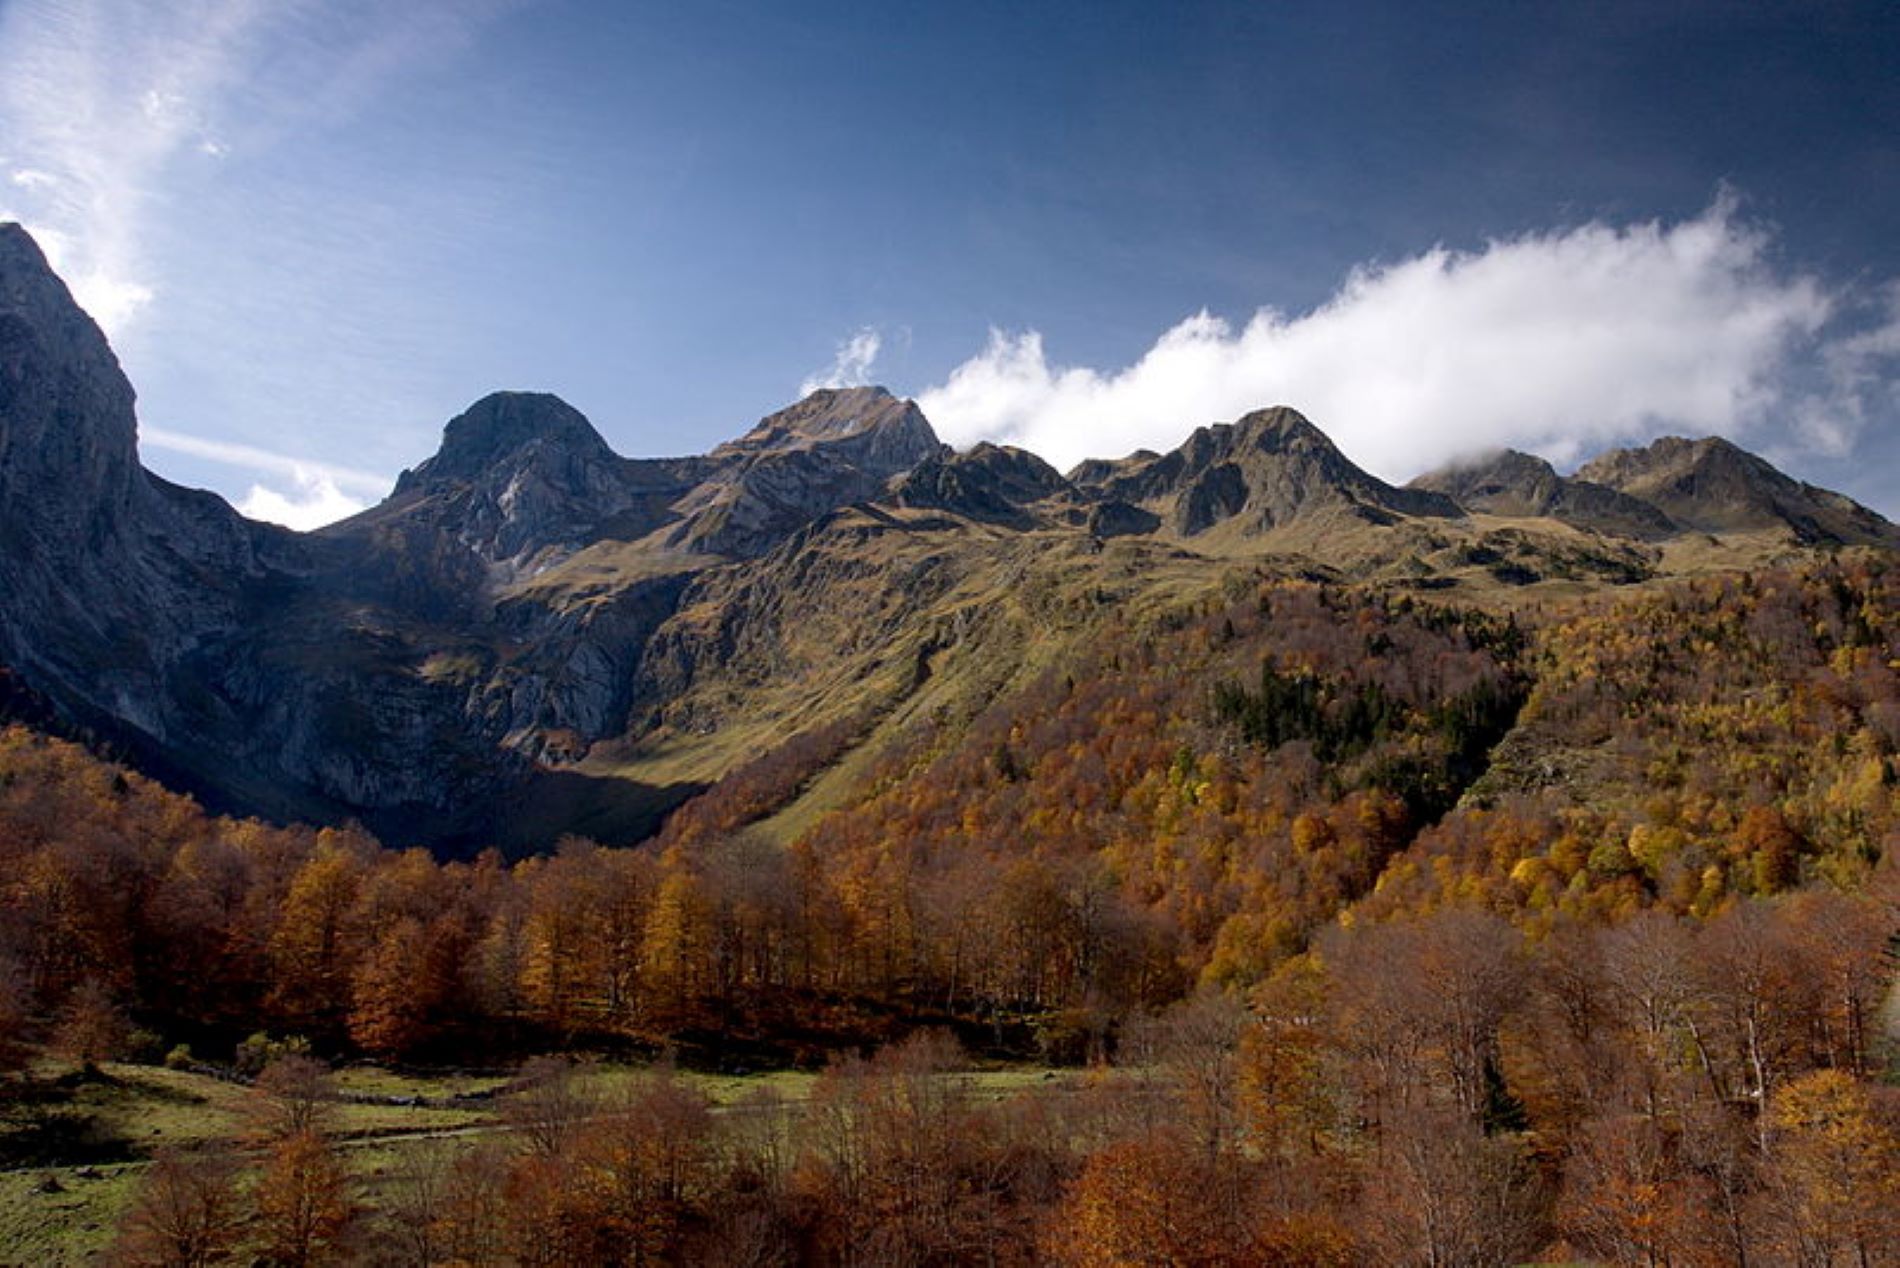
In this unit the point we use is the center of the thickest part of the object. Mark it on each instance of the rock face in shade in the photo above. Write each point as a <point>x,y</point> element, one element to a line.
<point>437,665</point>
<point>227,655</point>
<point>110,574</point>
<point>69,467</point>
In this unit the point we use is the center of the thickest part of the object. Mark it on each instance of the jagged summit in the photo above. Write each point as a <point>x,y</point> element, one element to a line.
<point>1507,482</point>
<point>1277,428</point>
<point>1266,470</point>
<point>830,413</point>
<point>1503,481</point>
<point>1092,473</point>
<point>506,426</point>
<point>1714,486</point>
<point>836,447</point>
<point>865,425</point>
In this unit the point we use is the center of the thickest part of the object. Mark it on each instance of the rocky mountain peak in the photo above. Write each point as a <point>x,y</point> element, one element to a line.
<point>1276,433</point>
<point>836,447</point>
<point>1714,486</point>
<point>1673,457</point>
<point>866,426</point>
<point>507,430</point>
<point>1092,473</point>
<point>1279,430</point>
<point>1265,470</point>
<point>1507,482</point>
<point>1502,482</point>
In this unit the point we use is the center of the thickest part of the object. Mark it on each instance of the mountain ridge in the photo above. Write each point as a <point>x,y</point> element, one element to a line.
<point>1713,485</point>
<point>1522,485</point>
<point>533,633</point>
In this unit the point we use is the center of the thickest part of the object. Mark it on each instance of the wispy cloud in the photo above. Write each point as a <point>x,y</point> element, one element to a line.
<point>303,495</point>
<point>102,101</point>
<point>96,98</point>
<point>1859,383</point>
<point>1559,342</point>
<point>851,367</point>
<point>251,458</point>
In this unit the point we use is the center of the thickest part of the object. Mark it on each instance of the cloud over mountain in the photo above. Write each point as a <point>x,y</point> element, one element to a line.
<point>851,367</point>
<point>1557,342</point>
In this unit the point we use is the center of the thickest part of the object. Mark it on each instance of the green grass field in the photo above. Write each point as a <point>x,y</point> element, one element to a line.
<point>56,1216</point>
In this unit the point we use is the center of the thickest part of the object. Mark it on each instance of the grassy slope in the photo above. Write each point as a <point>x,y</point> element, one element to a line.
<point>1024,604</point>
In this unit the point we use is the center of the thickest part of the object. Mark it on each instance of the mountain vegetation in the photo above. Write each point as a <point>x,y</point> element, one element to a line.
<point>1497,868</point>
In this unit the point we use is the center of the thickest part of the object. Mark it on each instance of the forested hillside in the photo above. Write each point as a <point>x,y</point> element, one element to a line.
<point>1394,929</point>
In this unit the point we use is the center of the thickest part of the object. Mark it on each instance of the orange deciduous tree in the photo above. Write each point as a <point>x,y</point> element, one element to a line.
<point>393,992</point>
<point>304,1208</point>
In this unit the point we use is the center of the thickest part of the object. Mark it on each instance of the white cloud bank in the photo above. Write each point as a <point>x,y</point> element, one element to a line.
<point>1561,343</point>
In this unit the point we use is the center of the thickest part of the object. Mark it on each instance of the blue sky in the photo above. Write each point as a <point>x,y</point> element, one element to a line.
<point>316,231</point>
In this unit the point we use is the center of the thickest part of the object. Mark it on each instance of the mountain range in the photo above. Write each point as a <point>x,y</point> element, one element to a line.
<point>533,635</point>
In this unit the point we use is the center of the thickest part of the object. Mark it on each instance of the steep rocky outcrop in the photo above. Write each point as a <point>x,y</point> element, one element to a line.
<point>69,470</point>
<point>110,575</point>
<point>1520,485</point>
<point>238,658</point>
<point>1713,486</point>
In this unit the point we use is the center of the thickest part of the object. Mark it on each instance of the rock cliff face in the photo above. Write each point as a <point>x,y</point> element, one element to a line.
<point>239,658</point>
<point>112,577</point>
<point>993,483</point>
<point>529,616</point>
<point>69,466</point>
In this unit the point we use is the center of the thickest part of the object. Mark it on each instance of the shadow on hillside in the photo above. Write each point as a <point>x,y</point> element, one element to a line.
<point>531,817</point>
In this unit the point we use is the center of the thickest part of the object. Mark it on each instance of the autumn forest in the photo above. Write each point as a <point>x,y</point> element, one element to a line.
<point>1350,926</point>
